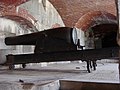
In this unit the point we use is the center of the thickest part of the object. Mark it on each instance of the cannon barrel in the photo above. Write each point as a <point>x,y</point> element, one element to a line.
<point>51,40</point>
<point>63,33</point>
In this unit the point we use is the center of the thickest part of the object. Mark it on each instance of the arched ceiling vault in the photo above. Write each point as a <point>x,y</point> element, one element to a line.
<point>21,16</point>
<point>70,10</point>
<point>22,22</point>
<point>94,18</point>
<point>12,2</point>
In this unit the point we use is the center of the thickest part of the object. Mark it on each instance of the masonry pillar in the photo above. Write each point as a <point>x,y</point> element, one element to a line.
<point>118,34</point>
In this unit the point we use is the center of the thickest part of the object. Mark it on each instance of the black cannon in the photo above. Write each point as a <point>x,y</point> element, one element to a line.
<point>59,44</point>
<point>52,40</point>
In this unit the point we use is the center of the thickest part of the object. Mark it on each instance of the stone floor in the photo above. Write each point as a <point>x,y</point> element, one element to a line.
<point>41,74</point>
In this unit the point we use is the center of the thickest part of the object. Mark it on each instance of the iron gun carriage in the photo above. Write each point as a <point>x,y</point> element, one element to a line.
<point>52,45</point>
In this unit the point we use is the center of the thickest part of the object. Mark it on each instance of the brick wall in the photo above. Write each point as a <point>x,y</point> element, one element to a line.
<point>72,10</point>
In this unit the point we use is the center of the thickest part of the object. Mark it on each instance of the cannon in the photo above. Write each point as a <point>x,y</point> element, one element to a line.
<point>59,44</point>
<point>52,40</point>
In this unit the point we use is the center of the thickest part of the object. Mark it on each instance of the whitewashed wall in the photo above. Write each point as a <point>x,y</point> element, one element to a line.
<point>44,12</point>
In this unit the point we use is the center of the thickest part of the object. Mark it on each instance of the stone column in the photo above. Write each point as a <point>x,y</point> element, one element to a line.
<point>118,33</point>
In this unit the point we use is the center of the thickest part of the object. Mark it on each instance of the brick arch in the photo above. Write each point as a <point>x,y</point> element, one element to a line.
<point>20,15</point>
<point>94,18</point>
<point>22,22</point>
<point>69,10</point>
<point>72,10</point>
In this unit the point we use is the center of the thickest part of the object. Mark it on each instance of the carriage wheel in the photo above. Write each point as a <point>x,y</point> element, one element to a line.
<point>23,65</point>
<point>11,67</point>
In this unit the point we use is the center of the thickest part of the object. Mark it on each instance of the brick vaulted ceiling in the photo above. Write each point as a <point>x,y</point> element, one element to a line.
<point>13,2</point>
<point>71,10</point>
<point>8,10</point>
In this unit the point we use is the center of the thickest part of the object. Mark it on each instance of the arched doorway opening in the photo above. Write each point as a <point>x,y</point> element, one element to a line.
<point>105,35</point>
<point>100,29</point>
